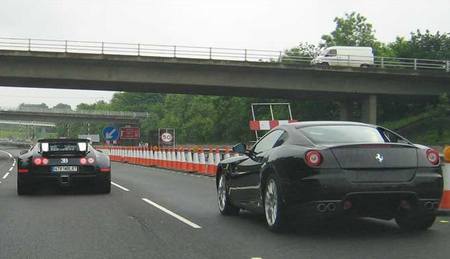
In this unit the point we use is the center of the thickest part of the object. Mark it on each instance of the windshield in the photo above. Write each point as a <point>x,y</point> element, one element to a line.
<point>342,134</point>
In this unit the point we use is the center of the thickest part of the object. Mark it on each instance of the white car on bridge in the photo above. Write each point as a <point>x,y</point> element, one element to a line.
<point>345,56</point>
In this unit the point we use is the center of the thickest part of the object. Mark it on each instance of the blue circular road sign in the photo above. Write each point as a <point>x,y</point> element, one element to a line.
<point>111,133</point>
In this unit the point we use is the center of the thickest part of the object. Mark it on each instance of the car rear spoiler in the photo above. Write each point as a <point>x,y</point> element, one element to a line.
<point>82,146</point>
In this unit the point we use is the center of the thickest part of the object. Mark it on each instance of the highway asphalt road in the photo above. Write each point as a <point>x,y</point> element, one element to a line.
<point>155,213</point>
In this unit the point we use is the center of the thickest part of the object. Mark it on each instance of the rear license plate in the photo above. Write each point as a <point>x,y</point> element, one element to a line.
<point>65,168</point>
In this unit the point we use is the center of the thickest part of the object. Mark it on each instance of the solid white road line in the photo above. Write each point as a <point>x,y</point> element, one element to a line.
<point>120,186</point>
<point>6,175</point>
<point>180,218</point>
<point>9,154</point>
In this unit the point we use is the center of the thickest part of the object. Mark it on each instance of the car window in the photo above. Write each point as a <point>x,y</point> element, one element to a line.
<point>268,141</point>
<point>391,137</point>
<point>281,139</point>
<point>331,53</point>
<point>337,134</point>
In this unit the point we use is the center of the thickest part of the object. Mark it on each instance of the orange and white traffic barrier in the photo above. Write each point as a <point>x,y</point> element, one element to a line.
<point>183,165</point>
<point>158,156</point>
<point>124,154</point>
<point>133,155</point>
<point>174,158</point>
<point>196,161</point>
<point>444,207</point>
<point>168,158</point>
<point>139,155</point>
<point>211,169</point>
<point>178,160</point>
<point>227,153</point>
<point>143,156</point>
<point>189,162</point>
<point>152,156</point>
<point>164,158</point>
<point>146,160</point>
<point>202,166</point>
<point>171,159</point>
<point>217,159</point>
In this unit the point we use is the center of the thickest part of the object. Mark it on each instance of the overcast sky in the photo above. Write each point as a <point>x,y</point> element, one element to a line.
<point>258,24</point>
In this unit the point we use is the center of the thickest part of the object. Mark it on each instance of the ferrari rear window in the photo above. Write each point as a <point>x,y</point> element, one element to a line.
<point>339,134</point>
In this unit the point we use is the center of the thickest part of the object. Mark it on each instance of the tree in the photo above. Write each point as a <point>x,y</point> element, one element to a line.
<point>423,45</point>
<point>351,30</point>
<point>25,106</point>
<point>62,106</point>
<point>303,50</point>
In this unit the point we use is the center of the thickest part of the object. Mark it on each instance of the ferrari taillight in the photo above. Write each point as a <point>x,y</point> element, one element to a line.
<point>91,160</point>
<point>433,156</point>
<point>313,158</point>
<point>22,170</point>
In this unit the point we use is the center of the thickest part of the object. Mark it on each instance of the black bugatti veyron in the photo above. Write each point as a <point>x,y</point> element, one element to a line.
<point>64,162</point>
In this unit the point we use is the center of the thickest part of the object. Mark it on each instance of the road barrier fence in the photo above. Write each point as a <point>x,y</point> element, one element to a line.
<point>188,159</point>
<point>197,52</point>
<point>445,201</point>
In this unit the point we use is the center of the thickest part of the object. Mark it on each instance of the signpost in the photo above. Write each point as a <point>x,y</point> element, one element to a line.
<point>166,137</point>
<point>111,134</point>
<point>130,133</point>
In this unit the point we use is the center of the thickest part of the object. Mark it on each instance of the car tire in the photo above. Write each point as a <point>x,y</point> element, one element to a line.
<point>324,65</point>
<point>223,199</point>
<point>23,188</point>
<point>414,221</point>
<point>104,187</point>
<point>274,209</point>
<point>365,66</point>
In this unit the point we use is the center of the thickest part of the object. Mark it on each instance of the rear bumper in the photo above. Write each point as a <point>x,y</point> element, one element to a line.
<point>381,199</point>
<point>64,180</point>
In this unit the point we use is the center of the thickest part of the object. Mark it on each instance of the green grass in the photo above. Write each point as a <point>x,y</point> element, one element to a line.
<point>395,125</point>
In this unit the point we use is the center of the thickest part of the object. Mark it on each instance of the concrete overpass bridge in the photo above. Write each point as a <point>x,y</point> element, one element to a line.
<point>28,123</point>
<point>49,116</point>
<point>213,71</point>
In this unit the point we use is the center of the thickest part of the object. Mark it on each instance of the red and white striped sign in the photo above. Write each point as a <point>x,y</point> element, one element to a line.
<point>268,125</point>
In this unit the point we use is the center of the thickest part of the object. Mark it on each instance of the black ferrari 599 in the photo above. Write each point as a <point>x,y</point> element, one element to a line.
<point>314,170</point>
<point>64,162</point>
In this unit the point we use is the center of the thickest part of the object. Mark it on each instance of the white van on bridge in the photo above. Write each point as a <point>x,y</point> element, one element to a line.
<point>345,56</point>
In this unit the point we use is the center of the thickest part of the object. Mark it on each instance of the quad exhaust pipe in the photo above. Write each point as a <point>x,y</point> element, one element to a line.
<point>326,207</point>
<point>431,205</point>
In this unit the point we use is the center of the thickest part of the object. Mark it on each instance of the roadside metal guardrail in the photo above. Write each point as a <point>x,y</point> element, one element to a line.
<point>79,112</point>
<point>196,52</point>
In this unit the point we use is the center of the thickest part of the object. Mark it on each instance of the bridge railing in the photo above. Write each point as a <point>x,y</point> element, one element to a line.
<point>79,112</point>
<point>196,52</point>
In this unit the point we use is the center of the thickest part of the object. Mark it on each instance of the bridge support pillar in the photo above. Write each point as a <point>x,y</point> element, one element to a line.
<point>369,109</point>
<point>345,110</point>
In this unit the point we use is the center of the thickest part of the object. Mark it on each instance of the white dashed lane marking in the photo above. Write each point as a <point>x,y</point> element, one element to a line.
<point>173,214</point>
<point>6,175</point>
<point>10,169</point>
<point>120,186</point>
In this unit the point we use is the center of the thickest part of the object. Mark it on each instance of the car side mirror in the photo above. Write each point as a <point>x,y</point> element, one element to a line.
<point>240,148</point>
